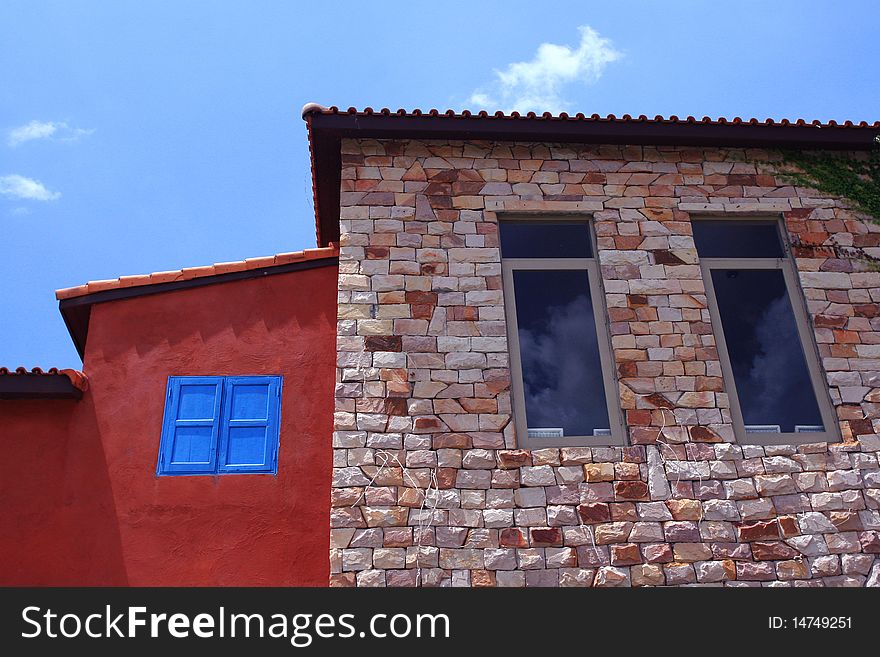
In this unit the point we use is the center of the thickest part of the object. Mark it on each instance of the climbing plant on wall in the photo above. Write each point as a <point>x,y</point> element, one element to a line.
<point>854,178</point>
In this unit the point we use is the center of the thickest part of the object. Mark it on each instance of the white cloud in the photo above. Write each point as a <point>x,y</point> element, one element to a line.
<point>19,187</point>
<point>46,130</point>
<point>74,134</point>
<point>537,85</point>
<point>30,131</point>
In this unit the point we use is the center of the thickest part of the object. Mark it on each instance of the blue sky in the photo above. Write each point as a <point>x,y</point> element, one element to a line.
<point>144,136</point>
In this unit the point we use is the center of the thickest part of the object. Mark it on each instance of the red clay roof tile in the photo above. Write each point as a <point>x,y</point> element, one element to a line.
<point>258,263</point>
<point>287,258</point>
<point>327,125</point>
<point>564,116</point>
<point>164,277</point>
<point>188,273</point>
<point>224,267</point>
<point>77,378</point>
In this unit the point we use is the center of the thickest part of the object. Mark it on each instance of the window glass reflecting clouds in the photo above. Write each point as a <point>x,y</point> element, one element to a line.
<point>769,367</point>
<point>562,373</point>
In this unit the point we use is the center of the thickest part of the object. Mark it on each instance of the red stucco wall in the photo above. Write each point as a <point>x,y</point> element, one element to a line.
<point>81,501</point>
<point>57,518</point>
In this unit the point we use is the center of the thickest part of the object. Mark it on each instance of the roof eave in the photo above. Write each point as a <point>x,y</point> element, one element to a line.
<point>327,127</point>
<point>76,311</point>
<point>38,386</point>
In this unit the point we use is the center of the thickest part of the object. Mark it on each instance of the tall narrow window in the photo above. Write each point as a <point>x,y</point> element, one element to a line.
<point>768,356</point>
<point>564,392</point>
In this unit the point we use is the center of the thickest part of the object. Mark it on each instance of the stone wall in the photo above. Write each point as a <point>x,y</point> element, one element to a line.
<point>429,488</point>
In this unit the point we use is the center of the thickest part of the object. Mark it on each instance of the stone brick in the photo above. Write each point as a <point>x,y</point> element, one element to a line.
<point>630,490</point>
<point>612,532</point>
<point>775,485</point>
<point>560,557</point>
<point>625,555</point>
<point>691,552</point>
<point>792,569</point>
<point>608,576</point>
<point>594,513</point>
<point>681,531</point>
<point>772,551</point>
<point>595,472</point>
<point>571,577</point>
<point>530,559</point>
<point>541,475</point>
<point>856,564</point>
<point>757,531</point>
<point>685,509</point>
<point>762,572</point>
<point>657,553</point>
<point>870,542</point>
<point>715,571</point>
<point>825,566</point>
<point>646,532</point>
<point>647,575</point>
<point>511,579</point>
<point>513,537</point>
<point>677,574</point>
<point>542,537</point>
<point>385,516</point>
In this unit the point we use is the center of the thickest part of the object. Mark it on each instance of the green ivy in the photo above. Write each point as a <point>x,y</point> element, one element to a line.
<point>854,178</point>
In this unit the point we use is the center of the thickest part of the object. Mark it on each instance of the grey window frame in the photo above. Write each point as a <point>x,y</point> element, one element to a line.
<point>603,338</point>
<point>806,335</point>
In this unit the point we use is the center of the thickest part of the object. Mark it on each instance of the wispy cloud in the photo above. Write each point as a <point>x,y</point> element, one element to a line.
<point>31,131</point>
<point>56,130</point>
<point>19,187</point>
<point>537,85</point>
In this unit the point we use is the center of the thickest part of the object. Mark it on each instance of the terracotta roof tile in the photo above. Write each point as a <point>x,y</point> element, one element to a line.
<point>130,281</point>
<point>564,116</point>
<point>223,268</point>
<point>164,277</point>
<point>189,273</point>
<point>326,126</point>
<point>257,263</point>
<point>287,258</point>
<point>77,378</point>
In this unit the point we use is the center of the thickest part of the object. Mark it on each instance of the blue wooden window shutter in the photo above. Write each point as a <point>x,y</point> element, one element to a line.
<point>191,425</point>
<point>249,431</point>
<point>220,425</point>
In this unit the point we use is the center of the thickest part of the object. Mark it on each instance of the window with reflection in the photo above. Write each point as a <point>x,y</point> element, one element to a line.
<point>768,356</point>
<point>559,345</point>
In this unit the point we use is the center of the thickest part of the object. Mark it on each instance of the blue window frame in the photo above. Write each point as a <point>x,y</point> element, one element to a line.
<point>220,425</point>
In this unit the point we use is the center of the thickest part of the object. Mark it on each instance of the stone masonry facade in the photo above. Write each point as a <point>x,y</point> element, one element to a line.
<point>429,487</point>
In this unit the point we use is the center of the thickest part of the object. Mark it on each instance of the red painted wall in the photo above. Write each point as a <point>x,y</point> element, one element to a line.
<point>57,517</point>
<point>80,492</point>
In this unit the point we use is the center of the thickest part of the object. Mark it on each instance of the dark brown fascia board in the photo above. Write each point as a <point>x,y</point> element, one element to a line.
<point>38,386</point>
<point>76,311</point>
<point>328,129</point>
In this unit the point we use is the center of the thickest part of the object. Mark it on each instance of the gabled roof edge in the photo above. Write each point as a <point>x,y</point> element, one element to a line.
<point>76,304</point>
